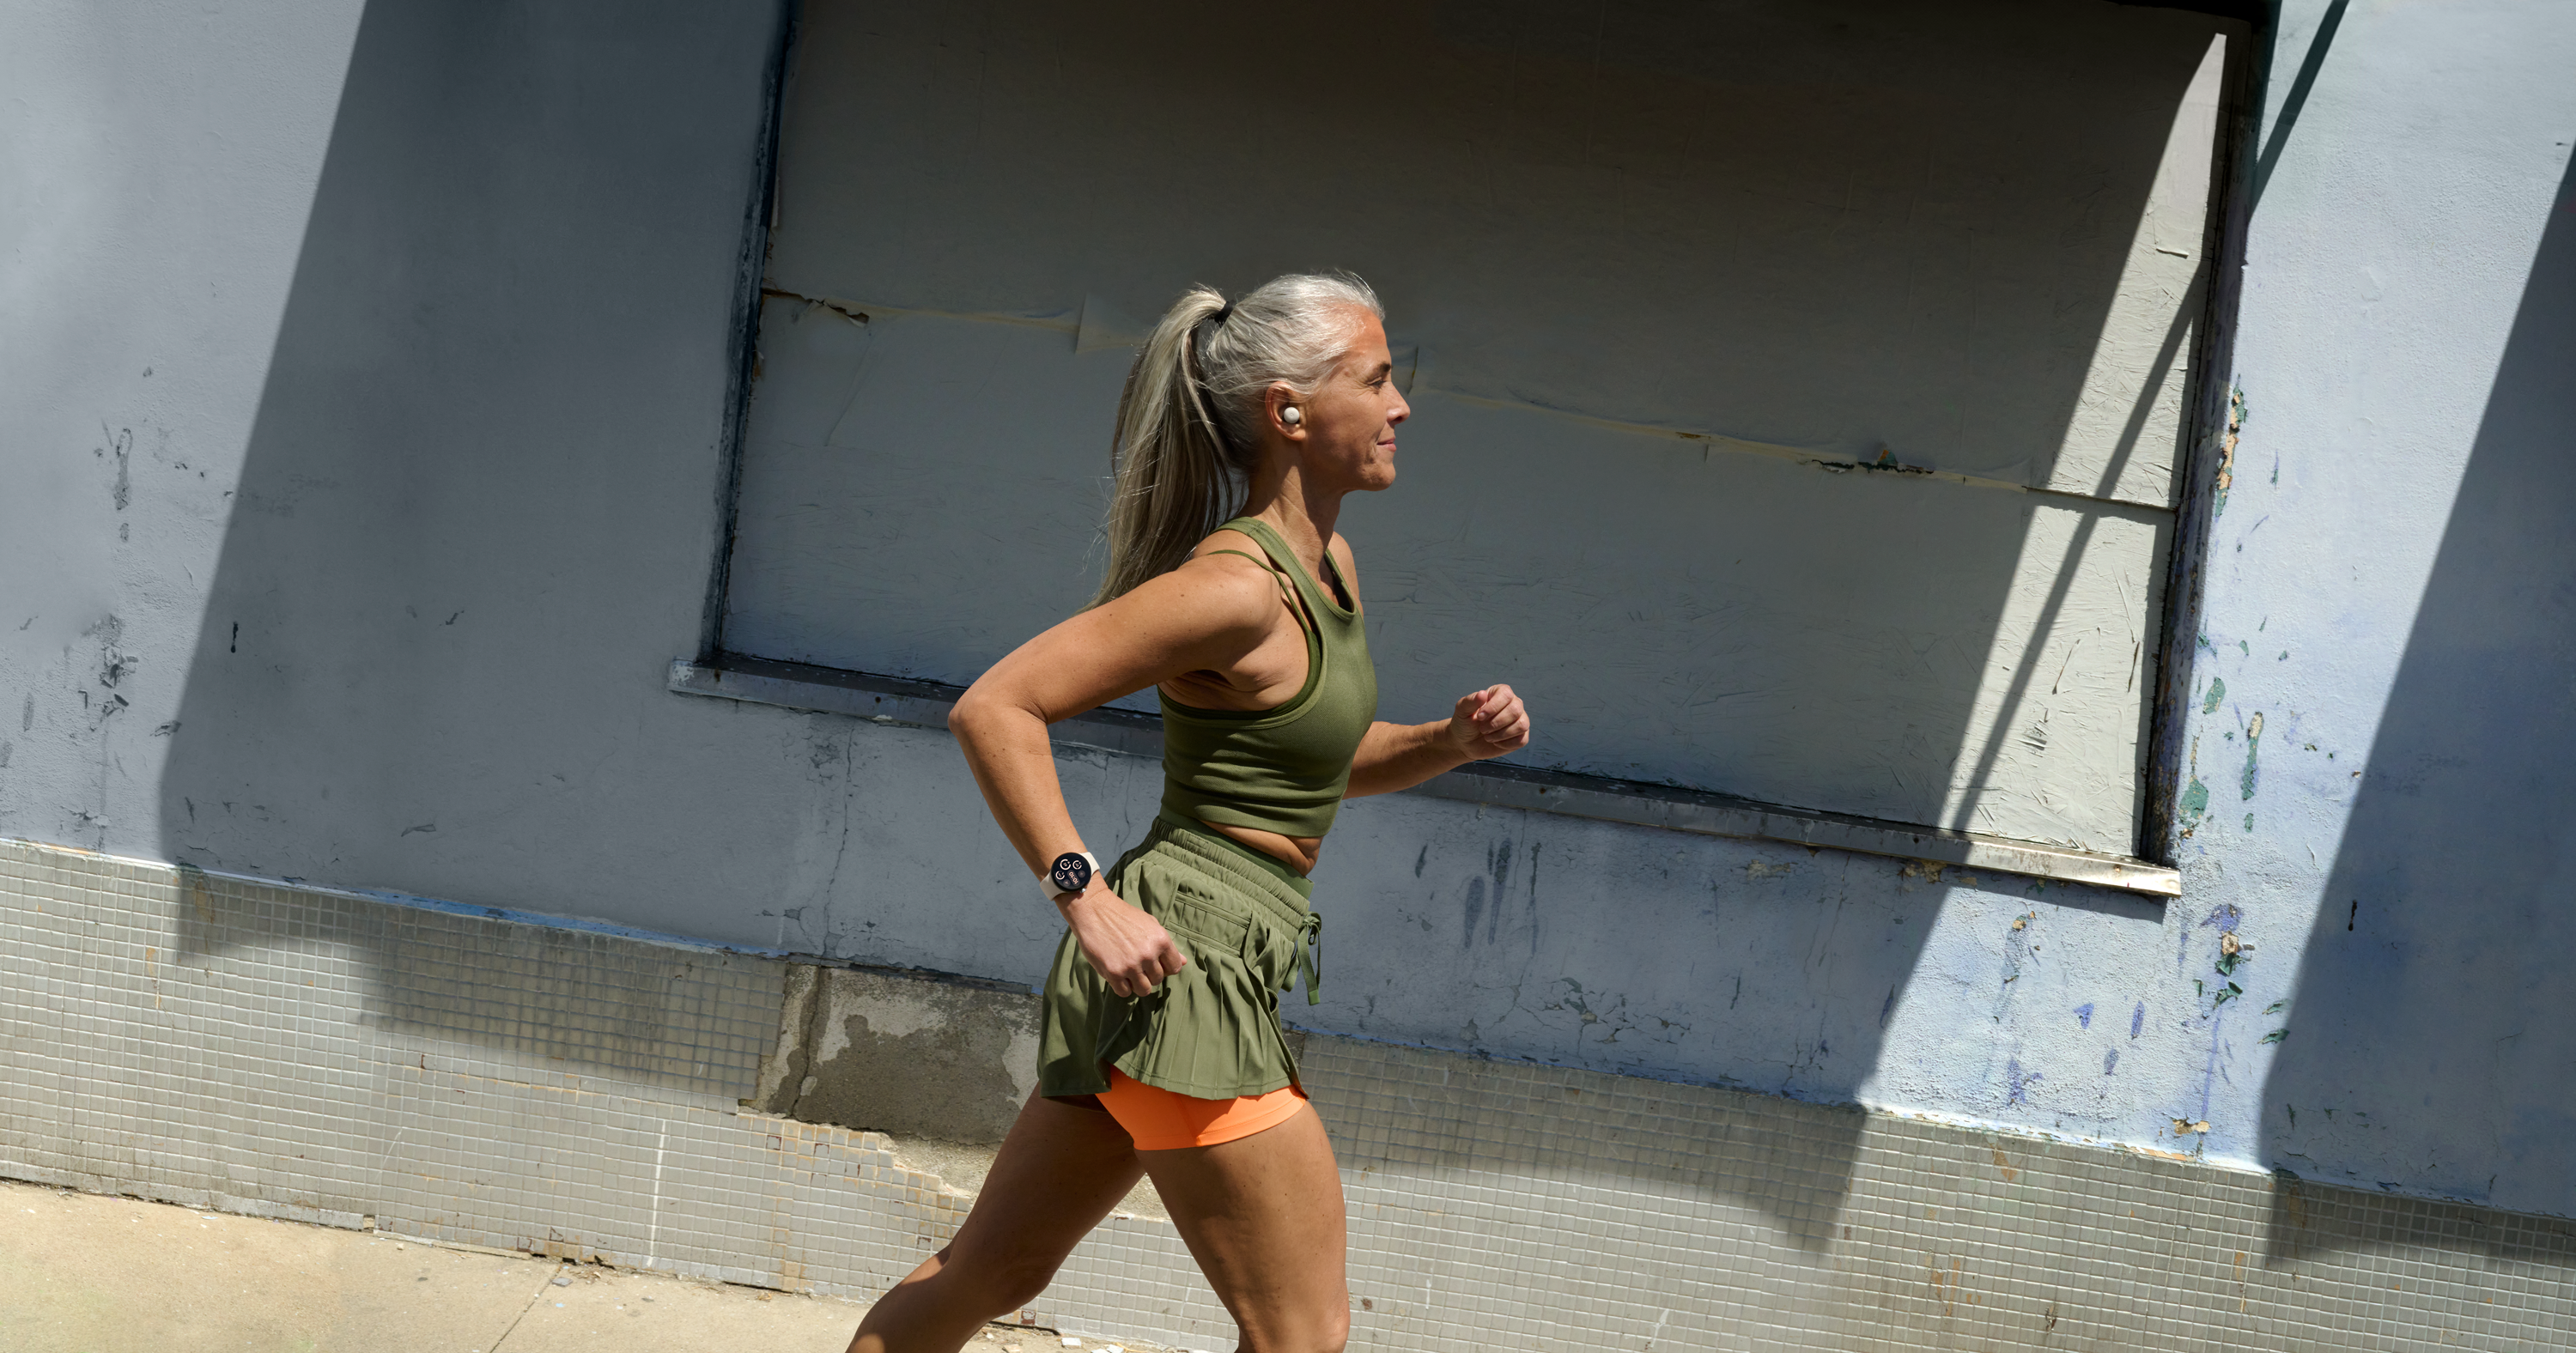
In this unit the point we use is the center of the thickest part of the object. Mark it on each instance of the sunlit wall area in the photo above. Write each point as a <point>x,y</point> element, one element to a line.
<point>2379,776</point>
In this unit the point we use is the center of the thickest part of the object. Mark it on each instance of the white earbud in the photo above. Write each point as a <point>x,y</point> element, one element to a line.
<point>1290,416</point>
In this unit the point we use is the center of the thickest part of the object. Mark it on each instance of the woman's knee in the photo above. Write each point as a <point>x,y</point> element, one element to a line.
<point>1336,1330</point>
<point>1004,1284</point>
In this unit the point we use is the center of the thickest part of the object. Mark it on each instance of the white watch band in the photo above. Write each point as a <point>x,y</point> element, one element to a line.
<point>1046,881</point>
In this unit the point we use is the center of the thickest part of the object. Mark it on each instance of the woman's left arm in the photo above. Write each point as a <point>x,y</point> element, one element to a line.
<point>1392,756</point>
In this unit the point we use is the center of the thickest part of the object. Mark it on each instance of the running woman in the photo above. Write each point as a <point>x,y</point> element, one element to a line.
<point>1243,426</point>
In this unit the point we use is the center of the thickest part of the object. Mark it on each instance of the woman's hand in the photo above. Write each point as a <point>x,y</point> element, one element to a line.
<point>1129,949</point>
<point>1489,723</point>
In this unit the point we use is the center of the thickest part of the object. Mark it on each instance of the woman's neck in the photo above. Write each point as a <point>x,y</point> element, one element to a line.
<point>1303,520</point>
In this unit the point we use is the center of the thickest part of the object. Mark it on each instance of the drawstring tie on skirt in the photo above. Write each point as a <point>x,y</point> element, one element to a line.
<point>1306,940</point>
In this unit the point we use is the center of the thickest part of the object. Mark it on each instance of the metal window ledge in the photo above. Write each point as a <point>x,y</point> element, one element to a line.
<point>925,704</point>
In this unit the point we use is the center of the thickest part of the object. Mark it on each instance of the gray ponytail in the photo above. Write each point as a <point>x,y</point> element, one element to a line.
<point>1189,420</point>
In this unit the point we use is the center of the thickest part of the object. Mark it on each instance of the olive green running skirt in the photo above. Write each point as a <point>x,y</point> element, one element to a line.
<point>1212,1032</point>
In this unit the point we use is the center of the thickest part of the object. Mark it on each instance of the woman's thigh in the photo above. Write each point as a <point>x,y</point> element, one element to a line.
<point>1059,1171</point>
<point>1263,1217</point>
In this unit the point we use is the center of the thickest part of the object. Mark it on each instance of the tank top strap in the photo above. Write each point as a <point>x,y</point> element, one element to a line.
<point>1317,602</point>
<point>1287,589</point>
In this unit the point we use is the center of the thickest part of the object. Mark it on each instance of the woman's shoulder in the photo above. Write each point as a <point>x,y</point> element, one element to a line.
<point>1233,563</point>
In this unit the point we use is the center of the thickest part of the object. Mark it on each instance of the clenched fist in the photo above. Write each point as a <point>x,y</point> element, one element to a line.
<point>1489,723</point>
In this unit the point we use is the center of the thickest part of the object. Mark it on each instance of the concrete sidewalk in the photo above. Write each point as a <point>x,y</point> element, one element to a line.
<point>82,1273</point>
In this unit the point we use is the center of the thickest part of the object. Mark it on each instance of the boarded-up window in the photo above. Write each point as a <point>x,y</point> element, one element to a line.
<point>1799,388</point>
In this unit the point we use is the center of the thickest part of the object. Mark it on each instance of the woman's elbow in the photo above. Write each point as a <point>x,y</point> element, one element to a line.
<point>969,713</point>
<point>976,713</point>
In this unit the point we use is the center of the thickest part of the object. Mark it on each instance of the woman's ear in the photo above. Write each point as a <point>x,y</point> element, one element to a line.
<point>1285,416</point>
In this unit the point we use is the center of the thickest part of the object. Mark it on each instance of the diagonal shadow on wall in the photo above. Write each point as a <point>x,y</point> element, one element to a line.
<point>513,283</point>
<point>2432,1036</point>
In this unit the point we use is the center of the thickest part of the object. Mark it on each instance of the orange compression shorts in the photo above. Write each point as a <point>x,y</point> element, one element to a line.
<point>1162,1120</point>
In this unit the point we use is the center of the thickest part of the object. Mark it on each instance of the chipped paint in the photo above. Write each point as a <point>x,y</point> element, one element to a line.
<point>2226,473</point>
<point>2253,739</point>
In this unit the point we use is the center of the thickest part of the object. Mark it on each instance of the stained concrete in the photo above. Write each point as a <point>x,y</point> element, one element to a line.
<point>902,1053</point>
<point>940,1065</point>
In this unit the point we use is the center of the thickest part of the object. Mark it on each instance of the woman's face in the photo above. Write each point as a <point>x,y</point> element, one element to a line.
<point>1346,437</point>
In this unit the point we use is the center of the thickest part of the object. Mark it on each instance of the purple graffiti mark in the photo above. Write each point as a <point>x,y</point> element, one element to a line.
<point>2224,917</point>
<point>2084,1015</point>
<point>2209,1072</point>
<point>2110,1060</point>
<point>2018,1083</point>
<point>2137,1019</point>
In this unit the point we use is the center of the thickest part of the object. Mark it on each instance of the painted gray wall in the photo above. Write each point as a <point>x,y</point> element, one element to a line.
<point>437,308</point>
<point>1954,237</point>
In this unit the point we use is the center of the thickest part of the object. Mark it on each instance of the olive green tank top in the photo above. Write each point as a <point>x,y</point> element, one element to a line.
<point>1281,770</point>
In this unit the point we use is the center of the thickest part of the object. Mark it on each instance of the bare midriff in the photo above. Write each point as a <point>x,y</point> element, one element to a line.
<point>1296,852</point>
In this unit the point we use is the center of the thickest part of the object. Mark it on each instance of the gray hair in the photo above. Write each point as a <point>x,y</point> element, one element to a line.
<point>1189,421</point>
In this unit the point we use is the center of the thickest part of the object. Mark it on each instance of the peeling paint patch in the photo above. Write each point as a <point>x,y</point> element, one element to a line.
<point>2195,803</point>
<point>2227,449</point>
<point>2217,692</point>
<point>2253,736</point>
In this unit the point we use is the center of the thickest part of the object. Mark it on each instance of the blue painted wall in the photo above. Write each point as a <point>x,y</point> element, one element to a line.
<point>2387,662</point>
<point>371,580</point>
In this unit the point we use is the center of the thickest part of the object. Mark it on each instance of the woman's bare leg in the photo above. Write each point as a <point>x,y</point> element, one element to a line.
<point>1263,1216</point>
<point>1058,1173</point>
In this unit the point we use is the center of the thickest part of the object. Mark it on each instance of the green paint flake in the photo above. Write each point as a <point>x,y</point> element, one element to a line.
<point>2198,990</point>
<point>2227,963</point>
<point>2274,1037</point>
<point>2217,692</point>
<point>2276,1007</point>
<point>2253,739</point>
<point>2195,801</point>
<point>2249,822</point>
<point>2245,648</point>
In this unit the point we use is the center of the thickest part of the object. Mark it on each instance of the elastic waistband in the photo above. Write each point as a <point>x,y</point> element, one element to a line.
<point>1295,921</point>
<point>1167,822</point>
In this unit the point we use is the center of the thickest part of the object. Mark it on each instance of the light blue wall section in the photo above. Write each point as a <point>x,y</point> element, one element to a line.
<point>437,318</point>
<point>2392,603</point>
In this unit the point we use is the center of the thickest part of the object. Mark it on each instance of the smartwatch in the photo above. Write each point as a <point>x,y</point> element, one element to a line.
<point>1071,873</point>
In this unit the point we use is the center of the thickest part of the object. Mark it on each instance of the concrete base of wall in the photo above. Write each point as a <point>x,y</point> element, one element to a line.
<point>290,1051</point>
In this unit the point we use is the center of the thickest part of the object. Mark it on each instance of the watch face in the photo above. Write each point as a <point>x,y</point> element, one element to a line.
<point>1071,873</point>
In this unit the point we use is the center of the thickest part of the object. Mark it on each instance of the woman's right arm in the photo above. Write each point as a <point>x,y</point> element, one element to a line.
<point>1206,615</point>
